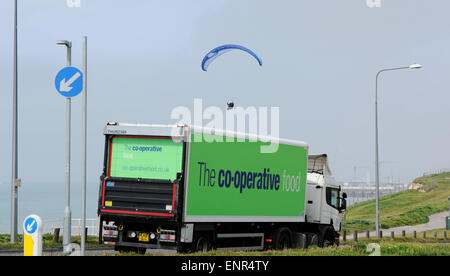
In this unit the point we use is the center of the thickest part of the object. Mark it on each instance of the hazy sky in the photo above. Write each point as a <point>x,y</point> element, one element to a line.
<point>320,58</point>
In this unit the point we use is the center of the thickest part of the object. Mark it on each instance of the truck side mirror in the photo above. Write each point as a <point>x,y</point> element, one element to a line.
<point>344,195</point>
<point>343,203</point>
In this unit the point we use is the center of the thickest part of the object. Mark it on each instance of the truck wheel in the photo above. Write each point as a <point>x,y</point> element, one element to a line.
<point>326,238</point>
<point>122,249</point>
<point>202,244</point>
<point>184,249</point>
<point>127,249</point>
<point>141,250</point>
<point>283,239</point>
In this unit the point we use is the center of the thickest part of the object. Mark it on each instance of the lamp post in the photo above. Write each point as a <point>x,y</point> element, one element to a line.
<point>84,152</point>
<point>14,181</point>
<point>67,212</point>
<point>377,171</point>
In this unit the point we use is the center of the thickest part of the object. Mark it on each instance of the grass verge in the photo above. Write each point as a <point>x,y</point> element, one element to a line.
<point>361,248</point>
<point>409,207</point>
<point>47,240</point>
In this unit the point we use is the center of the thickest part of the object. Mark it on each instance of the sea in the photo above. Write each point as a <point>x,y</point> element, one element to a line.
<point>48,201</point>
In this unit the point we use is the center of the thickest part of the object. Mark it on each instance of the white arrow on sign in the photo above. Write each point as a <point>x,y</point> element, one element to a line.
<point>30,226</point>
<point>65,86</point>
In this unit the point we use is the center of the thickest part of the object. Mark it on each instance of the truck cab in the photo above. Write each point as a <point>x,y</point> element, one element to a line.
<point>324,200</point>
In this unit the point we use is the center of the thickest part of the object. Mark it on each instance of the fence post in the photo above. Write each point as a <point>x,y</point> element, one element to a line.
<point>415,234</point>
<point>381,234</point>
<point>424,234</point>
<point>344,236</point>
<point>392,235</point>
<point>435,235</point>
<point>367,234</point>
<point>403,233</point>
<point>355,236</point>
<point>56,235</point>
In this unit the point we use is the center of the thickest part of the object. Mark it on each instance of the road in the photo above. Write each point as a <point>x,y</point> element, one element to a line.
<point>89,252</point>
<point>58,252</point>
<point>436,221</point>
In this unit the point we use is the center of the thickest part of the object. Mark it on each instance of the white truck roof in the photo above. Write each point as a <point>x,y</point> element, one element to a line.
<point>318,164</point>
<point>179,131</point>
<point>319,172</point>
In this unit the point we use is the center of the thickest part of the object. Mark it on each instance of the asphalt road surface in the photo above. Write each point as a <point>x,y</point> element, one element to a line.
<point>436,221</point>
<point>89,252</point>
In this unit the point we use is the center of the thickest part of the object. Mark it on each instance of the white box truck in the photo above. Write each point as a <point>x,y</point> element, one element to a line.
<point>189,188</point>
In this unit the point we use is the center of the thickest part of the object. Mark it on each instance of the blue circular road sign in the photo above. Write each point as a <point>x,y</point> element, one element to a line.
<point>30,225</point>
<point>69,82</point>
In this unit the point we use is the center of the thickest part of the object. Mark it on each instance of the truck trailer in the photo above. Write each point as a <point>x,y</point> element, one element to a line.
<point>190,188</point>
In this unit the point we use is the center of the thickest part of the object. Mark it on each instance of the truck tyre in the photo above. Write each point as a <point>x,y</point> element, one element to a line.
<point>202,244</point>
<point>300,240</point>
<point>283,238</point>
<point>184,249</point>
<point>326,237</point>
<point>123,249</point>
<point>127,249</point>
<point>141,250</point>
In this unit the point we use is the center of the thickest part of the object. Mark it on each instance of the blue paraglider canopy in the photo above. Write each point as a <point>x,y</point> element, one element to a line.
<point>218,51</point>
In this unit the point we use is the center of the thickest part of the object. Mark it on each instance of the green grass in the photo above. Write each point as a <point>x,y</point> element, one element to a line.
<point>409,207</point>
<point>47,240</point>
<point>400,246</point>
<point>387,248</point>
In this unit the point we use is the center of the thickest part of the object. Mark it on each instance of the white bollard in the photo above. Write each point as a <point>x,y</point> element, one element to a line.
<point>32,236</point>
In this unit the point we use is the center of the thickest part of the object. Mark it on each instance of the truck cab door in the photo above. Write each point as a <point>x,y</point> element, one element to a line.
<point>313,203</point>
<point>332,204</point>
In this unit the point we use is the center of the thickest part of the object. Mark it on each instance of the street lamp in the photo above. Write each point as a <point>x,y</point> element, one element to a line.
<point>377,174</point>
<point>15,181</point>
<point>68,44</point>
<point>67,212</point>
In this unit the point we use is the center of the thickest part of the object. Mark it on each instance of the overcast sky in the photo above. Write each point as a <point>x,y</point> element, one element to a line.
<point>320,58</point>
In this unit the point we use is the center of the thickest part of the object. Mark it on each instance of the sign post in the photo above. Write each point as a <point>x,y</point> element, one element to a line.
<point>68,83</point>
<point>32,236</point>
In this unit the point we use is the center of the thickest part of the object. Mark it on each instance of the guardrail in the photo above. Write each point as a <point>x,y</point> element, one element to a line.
<point>355,235</point>
<point>436,171</point>
<point>91,225</point>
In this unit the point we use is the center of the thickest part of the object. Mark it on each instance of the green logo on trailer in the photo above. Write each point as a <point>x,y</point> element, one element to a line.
<point>235,180</point>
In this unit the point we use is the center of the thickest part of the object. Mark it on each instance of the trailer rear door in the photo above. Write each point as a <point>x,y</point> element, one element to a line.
<point>141,175</point>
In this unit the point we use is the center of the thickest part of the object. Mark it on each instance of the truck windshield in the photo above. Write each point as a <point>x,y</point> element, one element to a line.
<point>144,157</point>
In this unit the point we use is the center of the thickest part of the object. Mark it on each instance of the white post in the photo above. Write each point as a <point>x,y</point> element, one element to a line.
<point>32,236</point>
